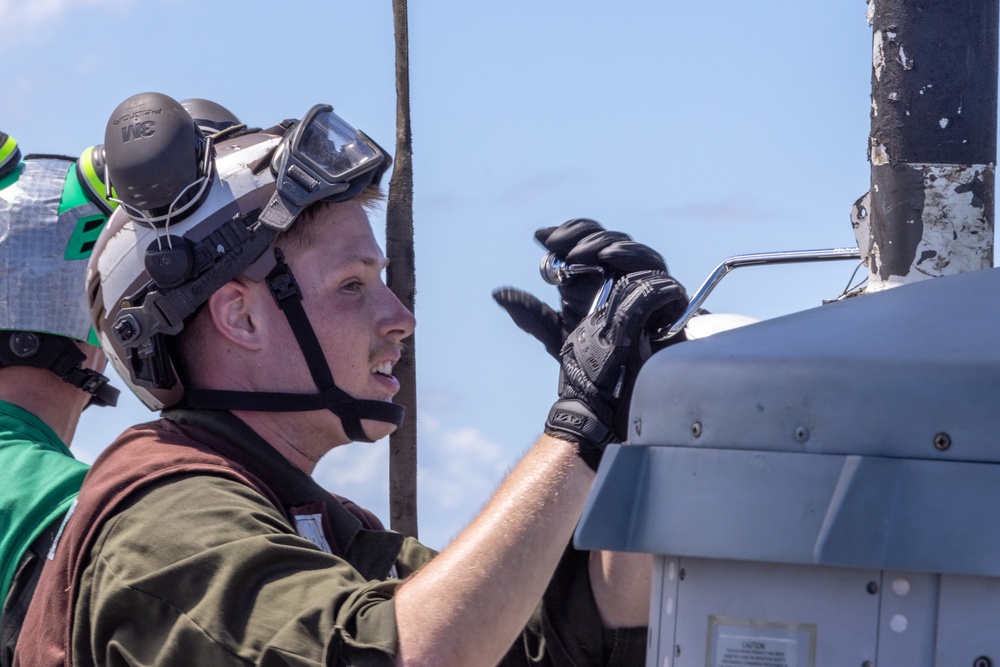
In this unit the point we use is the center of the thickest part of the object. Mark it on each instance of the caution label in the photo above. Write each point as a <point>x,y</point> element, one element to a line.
<point>754,642</point>
<point>742,651</point>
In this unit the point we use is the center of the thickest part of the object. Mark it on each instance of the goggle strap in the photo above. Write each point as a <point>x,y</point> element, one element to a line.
<point>280,213</point>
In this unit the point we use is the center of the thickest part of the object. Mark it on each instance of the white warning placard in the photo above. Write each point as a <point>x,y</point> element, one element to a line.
<point>749,642</point>
<point>743,651</point>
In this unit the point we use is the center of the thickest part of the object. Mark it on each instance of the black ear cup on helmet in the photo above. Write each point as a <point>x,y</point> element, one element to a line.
<point>156,156</point>
<point>170,261</point>
<point>209,116</point>
<point>10,154</point>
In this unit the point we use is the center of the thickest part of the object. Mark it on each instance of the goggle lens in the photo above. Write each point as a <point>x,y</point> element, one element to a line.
<point>335,147</point>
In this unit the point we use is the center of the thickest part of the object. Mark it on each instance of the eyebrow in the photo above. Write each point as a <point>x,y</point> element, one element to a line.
<point>369,260</point>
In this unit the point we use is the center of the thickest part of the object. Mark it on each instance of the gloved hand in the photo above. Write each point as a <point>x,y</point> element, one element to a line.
<point>577,241</point>
<point>601,359</point>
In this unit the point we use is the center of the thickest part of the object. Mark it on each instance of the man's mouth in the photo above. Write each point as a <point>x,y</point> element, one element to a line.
<point>384,368</point>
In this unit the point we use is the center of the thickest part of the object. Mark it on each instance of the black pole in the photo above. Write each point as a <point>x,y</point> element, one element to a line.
<point>401,278</point>
<point>933,139</point>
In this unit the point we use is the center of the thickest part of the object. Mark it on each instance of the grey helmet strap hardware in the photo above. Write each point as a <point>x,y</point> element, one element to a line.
<point>164,312</point>
<point>161,311</point>
<point>61,356</point>
<point>351,411</point>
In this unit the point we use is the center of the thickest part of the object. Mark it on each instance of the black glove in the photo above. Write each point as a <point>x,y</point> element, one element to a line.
<point>577,241</point>
<point>601,359</point>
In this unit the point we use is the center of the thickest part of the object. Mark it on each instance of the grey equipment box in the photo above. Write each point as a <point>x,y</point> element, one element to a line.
<point>820,489</point>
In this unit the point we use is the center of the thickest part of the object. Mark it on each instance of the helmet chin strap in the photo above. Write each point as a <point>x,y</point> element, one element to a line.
<point>61,356</point>
<point>351,410</point>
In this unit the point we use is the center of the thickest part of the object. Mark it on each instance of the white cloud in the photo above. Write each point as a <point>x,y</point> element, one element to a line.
<point>465,467</point>
<point>17,15</point>
<point>429,422</point>
<point>458,470</point>
<point>355,465</point>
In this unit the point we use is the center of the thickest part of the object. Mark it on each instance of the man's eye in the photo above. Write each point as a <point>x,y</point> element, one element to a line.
<point>352,286</point>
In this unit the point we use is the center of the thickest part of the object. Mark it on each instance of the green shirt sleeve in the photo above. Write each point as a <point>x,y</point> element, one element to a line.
<point>40,480</point>
<point>202,570</point>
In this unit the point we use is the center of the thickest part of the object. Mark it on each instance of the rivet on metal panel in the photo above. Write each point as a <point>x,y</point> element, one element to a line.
<point>682,574</point>
<point>677,650</point>
<point>801,434</point>
<point>982,661</point>
<point>942,441</point>
<point>872,587</point>
<point>899,623</point>
<point>638,426</point>
<point>867,663</point>
<point>696,429</point>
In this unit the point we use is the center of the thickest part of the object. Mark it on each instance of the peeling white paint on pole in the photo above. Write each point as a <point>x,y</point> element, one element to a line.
<point>956,229</point>
<point>860,221</point>
<point>879,153</point>
<point>932,144</point>
<point>878,58</point>
<point>958,235</point>
<point>907,63</point>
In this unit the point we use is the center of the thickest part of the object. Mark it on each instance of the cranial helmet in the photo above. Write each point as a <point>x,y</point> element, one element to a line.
<point>198,210</point>
<point>50,215</point>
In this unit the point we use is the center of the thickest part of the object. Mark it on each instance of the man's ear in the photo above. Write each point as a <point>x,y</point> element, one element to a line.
<point>233,310</point>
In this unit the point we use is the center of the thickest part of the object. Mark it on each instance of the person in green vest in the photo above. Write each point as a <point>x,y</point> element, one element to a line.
<point>52,209</point>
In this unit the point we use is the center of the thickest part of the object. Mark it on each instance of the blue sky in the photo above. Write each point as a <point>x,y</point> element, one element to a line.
<point>702,130</point>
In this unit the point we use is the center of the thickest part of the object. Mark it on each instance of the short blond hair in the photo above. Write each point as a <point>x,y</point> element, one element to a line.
<point>302,234</point>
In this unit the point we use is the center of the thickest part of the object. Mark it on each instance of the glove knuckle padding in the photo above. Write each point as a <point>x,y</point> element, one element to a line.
<point>629,257</point>
<point>563,238</point>
<point>601,359</point>
<point>589,249</point>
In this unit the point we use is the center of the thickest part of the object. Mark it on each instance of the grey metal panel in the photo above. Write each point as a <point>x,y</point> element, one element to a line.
<point>784,507</point>
<point>719,504</point>
<point>881,374</point>
<point>890,618</point>
<point>908,620</point>
<point>662,611</point>
<point>836,604</point>
<point>968,619</point>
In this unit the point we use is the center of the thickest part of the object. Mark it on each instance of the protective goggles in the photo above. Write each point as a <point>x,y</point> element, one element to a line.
<point>318,158</point>
<point>321,158</point>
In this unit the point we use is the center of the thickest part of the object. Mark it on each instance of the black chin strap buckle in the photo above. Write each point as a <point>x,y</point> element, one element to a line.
<point>94,383</point>
<point>60,356</point>
<point>281,282</point>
